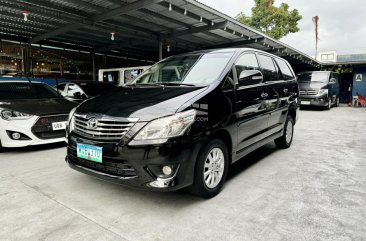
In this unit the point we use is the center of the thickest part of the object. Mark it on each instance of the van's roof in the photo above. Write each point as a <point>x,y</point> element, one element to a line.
<point>321,71</point>
<point>225,50</point>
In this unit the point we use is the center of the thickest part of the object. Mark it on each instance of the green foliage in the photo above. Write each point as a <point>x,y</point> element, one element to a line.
<point>276,22</point>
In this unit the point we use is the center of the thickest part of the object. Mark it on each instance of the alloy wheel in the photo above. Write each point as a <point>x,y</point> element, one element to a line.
<point>214,167</point>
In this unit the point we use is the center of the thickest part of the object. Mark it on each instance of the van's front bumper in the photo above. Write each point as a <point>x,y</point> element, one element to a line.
<point>139,166</point>
<point>316,100</point>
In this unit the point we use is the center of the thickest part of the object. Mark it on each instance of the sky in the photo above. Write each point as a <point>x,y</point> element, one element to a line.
<point>342,23</point>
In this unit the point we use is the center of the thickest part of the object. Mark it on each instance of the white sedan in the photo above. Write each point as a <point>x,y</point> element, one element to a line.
<point>31,114</point>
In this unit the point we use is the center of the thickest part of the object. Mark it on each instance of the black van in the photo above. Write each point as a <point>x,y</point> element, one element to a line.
<point>319,88</point>
<point>184,120</point>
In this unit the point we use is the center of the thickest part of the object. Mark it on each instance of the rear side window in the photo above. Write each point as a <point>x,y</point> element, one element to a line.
<point>268,68</point>
<point>285,70</point>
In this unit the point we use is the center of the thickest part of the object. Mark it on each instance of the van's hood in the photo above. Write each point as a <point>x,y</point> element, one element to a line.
<point>311,85</point>
<point>145,103</point>
<point>39,107</point>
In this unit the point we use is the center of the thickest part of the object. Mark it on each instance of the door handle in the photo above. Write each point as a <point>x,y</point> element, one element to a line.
<point>285,90</point>
<point>264,95</point>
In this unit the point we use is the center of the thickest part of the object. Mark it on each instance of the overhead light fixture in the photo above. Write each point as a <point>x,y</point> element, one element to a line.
<point>212,23</point>
<point>185,11</point>
<point>201,19</point>
<point>25,14</point>
<point>112,35</point>
<point>249,38</point>
<point>170,6</point>
<point>168,48</point>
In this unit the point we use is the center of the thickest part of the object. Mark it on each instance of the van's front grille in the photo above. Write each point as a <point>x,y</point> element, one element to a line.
<point>103,127</point>
<point>308,92</point>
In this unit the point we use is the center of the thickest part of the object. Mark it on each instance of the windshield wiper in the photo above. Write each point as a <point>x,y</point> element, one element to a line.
<point>146,84</point>
<point>174,84</point>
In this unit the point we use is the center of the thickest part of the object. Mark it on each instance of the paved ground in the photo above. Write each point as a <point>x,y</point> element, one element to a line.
<point>316,190</point>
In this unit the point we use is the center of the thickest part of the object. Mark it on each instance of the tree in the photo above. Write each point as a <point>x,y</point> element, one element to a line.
<point>276,22</point>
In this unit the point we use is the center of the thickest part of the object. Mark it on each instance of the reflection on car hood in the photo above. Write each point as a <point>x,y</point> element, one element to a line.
<point>311,85</point>
<point>39,107</point>
<point>145,103</point>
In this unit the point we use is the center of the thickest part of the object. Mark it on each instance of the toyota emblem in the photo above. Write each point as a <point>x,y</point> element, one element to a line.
<point>92,123</point>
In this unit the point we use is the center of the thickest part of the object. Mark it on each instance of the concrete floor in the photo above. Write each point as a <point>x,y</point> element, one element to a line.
<point>316,190</point>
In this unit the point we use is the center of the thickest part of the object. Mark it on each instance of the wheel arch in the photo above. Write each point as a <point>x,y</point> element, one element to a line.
<point>224,136</point>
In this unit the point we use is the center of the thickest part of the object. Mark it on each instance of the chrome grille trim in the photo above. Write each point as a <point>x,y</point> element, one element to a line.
<point>107,128</point>
<point>308,92</point>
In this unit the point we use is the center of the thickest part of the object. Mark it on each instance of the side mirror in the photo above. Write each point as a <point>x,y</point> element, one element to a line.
<point>332,81</point>
<point>77,95</point>
<point>250,77</point>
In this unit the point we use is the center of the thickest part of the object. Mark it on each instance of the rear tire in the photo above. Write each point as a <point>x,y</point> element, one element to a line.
<point>337,102</point>
<point>329,104</point>
<point>285,140</point>
<point>211,169</point>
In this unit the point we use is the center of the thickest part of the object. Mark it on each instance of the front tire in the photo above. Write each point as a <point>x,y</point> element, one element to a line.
<point>285,140</point>
<point>211,169</point>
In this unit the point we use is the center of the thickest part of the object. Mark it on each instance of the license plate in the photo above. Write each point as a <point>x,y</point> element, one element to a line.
<point>305,102</point>
<point>89,152</point>
<point>59,126</point>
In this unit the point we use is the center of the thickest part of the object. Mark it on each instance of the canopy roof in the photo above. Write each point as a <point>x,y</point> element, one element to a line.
<point>138,26</point>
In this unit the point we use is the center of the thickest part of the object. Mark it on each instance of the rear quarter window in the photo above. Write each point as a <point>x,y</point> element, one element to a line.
<point>284,69</point>
<point>268,68</point>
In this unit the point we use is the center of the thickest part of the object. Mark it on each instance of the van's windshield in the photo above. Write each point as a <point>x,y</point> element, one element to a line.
<point>190,70</point>
<point>313,77</point>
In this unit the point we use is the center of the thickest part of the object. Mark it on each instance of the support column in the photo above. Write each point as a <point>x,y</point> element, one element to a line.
<point>160,50</point>
<point>26,64</point>
<point>94,67</point>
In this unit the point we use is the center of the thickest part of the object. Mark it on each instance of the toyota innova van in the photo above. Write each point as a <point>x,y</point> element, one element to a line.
<point>185,120</point>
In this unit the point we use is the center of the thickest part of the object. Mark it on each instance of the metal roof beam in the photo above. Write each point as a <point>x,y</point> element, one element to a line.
<point>87,5</point>
<point>124,9</point>
<point>97,18</point>
<point>201,29</point>
<point>47,5</point>
<point>239,43</point>
<point>177,22</point>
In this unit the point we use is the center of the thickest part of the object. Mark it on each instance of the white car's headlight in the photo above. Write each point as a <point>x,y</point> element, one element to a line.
<point>323,91</point>
<point>167,127</point>
<point>14,115</point>
<point>70,121</point>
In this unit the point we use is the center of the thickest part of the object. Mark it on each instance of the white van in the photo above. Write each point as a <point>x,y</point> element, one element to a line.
<point>120,76</point>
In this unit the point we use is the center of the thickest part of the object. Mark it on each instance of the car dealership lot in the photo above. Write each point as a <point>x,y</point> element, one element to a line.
<point>316,190</point>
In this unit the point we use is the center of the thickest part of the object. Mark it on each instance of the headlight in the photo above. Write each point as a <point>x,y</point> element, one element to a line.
<point>70,121</point>
<point>14,115</point>
<point>167,127</point>
<point>323,91</point>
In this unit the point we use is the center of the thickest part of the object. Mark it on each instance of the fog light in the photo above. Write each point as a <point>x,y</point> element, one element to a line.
<point>15,135</point>
<point>167,170</point>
